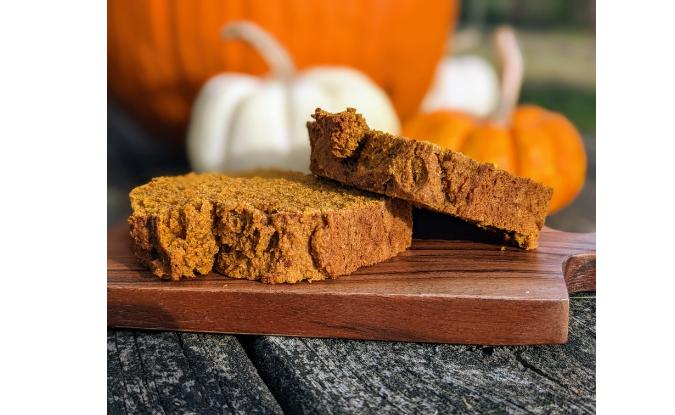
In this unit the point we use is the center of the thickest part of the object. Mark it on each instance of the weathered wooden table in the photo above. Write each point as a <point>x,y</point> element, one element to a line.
<point>168,372</point>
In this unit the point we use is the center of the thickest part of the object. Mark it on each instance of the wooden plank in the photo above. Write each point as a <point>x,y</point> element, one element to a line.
<point>437,291</point>
<point>164,372</point>
<point>346,376</point>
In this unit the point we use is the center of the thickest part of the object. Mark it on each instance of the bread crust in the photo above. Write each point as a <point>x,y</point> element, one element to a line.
<point>345,149</point>
<point>287,228</point>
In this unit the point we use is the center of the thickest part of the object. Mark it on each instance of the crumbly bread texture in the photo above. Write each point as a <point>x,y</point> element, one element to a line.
<point>278,228</point>
<point>346,150</point>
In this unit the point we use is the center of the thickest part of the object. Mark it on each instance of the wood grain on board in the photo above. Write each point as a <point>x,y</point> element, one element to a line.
<point>437,291</point>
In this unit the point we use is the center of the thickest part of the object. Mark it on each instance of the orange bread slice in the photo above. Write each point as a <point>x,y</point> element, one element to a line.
<point>275,229</point>
<point>346,150</point>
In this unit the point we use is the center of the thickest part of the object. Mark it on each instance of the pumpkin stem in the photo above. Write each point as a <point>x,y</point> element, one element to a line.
<point>277,58</point>
<point>511,60</point>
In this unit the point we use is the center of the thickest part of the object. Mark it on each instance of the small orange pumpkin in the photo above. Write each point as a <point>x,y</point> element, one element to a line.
<point>529,141</point>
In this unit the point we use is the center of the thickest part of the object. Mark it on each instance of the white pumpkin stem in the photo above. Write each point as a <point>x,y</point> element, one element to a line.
<point>277,58</point>
<point>511,60</point>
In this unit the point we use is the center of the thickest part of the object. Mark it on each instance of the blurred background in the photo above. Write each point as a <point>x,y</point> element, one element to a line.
<point>185,95</point>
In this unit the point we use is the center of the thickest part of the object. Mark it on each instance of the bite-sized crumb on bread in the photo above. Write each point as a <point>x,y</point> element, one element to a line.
<point>346,150</point>
<point>284,227</point>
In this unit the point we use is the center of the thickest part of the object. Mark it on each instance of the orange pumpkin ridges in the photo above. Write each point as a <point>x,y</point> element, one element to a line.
<point>160,53</point>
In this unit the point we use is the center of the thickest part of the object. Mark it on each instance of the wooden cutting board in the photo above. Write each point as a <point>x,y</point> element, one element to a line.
<point>465,292</point>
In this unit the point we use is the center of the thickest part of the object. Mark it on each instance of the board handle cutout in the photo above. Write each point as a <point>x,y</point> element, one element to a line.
<point>579,272</point>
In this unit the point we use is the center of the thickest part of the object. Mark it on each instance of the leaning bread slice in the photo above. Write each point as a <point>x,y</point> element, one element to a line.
<point>346,150</point>
<point>274,229</point>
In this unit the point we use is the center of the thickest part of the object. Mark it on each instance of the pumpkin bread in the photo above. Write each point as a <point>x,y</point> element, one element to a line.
<point>346,150</point>
<point>287,228</point>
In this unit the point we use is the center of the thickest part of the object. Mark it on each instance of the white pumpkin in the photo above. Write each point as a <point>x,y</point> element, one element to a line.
<point>241,122</point>
<point>466,83</point>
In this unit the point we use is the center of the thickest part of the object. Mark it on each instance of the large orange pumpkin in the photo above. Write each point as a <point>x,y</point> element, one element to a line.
<point>529,141</point>
<point>161,52</point>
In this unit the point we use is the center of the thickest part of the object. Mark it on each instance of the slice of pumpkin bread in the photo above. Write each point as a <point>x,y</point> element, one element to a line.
<point>274,229</point>
<point>346,150</point>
